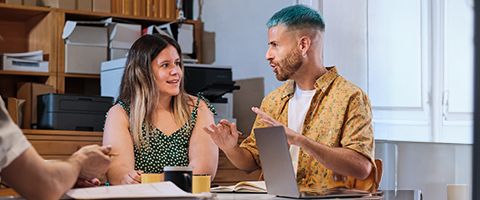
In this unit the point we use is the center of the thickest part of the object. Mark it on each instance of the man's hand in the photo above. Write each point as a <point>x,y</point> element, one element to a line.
<point>81,183</point>
<point>93,160</point>
<point>224,134</point>
<point>292,136</point>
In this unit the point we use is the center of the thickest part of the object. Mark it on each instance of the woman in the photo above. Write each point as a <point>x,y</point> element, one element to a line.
<point>154,122</point>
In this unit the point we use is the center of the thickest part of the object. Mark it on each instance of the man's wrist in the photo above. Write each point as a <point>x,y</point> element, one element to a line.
<point>299,140</point>
<point>232,150</point>
<point>77,160</point>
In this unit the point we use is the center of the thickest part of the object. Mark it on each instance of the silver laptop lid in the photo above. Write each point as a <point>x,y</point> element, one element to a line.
<point>276,162</point>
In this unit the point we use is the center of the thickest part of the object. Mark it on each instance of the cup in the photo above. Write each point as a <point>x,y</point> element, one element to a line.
<point>200,183</point>
<point>180,176</point>
<point>457,192</point>
<point>151,178</point>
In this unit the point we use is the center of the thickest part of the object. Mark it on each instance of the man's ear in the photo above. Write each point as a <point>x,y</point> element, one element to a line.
<point>304,44</point>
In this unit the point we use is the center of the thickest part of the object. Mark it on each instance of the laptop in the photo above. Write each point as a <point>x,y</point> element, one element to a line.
<point>278,169</point>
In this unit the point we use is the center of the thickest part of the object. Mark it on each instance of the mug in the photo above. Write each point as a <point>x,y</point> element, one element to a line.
<point>457,192</point>
<point>180,176</point>
<point>200,183</point>
<point>151,178</point>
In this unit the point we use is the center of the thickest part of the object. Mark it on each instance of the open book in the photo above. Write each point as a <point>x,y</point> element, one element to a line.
<point>243,186</point>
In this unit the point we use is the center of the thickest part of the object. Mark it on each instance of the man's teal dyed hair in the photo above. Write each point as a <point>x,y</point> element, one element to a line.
<point>297,17</point>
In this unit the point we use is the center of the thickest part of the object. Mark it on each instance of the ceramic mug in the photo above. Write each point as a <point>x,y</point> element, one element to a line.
<point>180,176</point>
<point>151,178</point>
<point>201,183</point>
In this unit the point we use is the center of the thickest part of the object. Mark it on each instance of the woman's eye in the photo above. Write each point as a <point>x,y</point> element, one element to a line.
<point>164,65</point>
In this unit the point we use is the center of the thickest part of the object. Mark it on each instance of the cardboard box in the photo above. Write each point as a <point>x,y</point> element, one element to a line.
<point>101,6</point>
<point>111,77</point>
<point>30,2</point>
<point>29,92</point>
<point>121,38</point>
<point>64,4</point>
<point>85,5</point>
<point>15,109</point>
<point>15,2</point>
<point>85,47</point>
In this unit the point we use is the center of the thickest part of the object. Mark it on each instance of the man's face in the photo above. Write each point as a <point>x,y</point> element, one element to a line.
<point>283,54</point>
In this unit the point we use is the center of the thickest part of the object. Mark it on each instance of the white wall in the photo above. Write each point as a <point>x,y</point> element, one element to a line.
<point>241,35</point>
<point>345,43</point>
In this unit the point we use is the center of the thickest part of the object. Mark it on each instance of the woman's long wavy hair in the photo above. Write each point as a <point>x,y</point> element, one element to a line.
<point>139,90</point>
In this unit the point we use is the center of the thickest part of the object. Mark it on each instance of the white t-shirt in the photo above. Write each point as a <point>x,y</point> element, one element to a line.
<point>12,141</point>
<point>298,106</point>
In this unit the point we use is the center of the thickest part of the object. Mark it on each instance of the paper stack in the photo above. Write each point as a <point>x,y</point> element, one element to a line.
<point>27,61</point>
<point>160,190</point>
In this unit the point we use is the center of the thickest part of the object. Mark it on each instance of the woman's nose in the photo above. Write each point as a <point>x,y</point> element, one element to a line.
<point>175,70</point>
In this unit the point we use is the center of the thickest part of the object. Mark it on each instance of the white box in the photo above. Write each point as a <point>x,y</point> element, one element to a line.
<point>111,77</point>
<point>121,38</point>
<point>85,47</point>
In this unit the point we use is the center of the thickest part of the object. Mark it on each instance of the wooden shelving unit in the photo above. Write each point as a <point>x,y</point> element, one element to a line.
<point>60,144</point>
<point>24,73</point>
<point>29,28</point>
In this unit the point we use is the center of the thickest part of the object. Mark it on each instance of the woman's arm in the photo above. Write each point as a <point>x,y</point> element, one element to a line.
<point>203,152</point>
<point>116,133</point>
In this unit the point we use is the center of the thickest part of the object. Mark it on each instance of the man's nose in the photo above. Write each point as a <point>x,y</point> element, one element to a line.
<point>269,55</point>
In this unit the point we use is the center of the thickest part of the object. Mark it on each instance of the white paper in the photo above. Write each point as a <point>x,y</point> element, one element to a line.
<point>31,55</point>
<point>152,190</point>
<point>25,61</point>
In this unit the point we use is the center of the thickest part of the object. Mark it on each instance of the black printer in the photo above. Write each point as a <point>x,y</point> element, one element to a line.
<point>72,112</point>
<point>212,81</point>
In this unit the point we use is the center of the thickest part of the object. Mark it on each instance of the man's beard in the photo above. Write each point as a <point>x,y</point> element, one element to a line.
<point>288,66</point>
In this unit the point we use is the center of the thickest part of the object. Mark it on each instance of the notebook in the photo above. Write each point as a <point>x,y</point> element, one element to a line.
<point>243,187</point>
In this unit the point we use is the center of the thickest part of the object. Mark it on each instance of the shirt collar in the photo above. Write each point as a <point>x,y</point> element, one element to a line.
<point>321,84</point>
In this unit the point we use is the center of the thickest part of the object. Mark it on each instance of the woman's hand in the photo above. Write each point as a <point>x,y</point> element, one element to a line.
<point>132,177</point>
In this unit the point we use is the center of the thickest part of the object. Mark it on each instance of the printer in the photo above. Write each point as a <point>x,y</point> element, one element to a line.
<point>213,81</point>
<point>72,112</point>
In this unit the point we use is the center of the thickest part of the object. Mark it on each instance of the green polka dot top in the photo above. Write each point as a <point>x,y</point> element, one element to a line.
<point>163,150</point>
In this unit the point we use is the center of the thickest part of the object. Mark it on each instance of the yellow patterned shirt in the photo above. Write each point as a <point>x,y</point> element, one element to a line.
<point>339,116</point>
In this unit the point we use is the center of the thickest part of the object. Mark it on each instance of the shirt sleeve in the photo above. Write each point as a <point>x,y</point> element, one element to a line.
<point>250,143</point>
<point>358,130</point>
<point>12,141</point>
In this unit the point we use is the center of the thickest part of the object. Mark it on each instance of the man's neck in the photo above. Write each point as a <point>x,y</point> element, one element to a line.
<point>306,79</point>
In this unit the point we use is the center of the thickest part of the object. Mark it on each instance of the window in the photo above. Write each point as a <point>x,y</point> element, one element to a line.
<point>415,60</point>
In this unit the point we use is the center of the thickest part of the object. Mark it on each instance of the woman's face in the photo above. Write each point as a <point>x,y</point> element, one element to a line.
<point>167,71</point>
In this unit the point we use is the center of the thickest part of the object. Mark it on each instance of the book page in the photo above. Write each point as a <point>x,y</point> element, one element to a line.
<point>251,186</point>
<point>153,190</point>
<point>243,186</point>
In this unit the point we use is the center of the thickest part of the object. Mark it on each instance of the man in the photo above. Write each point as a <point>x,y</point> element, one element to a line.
<point>34,178</point>
<point>328,120</point>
